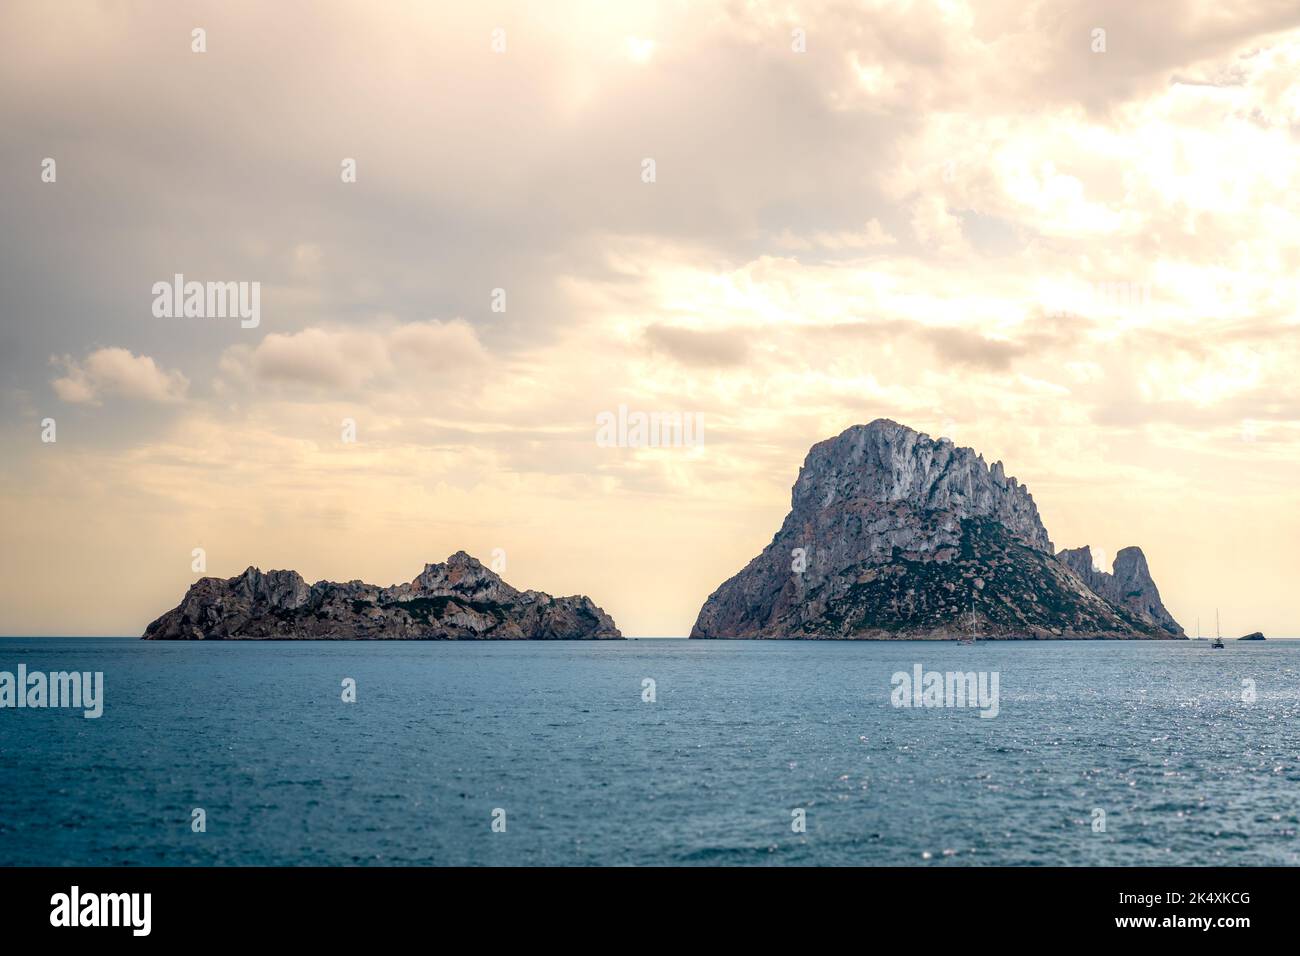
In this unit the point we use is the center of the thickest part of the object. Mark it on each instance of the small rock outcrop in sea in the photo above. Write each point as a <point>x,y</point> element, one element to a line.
<point>894,535</point>
<point>1252,636</point>
<point>458,600</point>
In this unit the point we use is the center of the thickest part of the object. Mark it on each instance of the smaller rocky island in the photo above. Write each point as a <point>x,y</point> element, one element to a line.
<point>457,600</point>
<point>1253,636</point>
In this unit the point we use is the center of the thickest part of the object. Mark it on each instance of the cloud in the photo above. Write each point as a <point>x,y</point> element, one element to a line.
<point>871,236</point>
<point>116,372</point>
<point>964,347</point>
<point>349,358</point>
<point>692,347</point>
<point>329,359</point>
<point>436,345</point>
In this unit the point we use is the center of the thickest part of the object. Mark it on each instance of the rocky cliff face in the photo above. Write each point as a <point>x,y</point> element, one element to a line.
<point>885,464</point>
<point>1127,585</point>
<point>458,600</point>
<point>892,534</point>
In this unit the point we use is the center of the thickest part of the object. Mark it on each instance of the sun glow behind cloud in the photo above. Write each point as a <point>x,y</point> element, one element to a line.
<point>639,50</point>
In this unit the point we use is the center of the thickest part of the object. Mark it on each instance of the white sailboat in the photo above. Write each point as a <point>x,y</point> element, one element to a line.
<point>974,631</point>
<point>1218,641</point>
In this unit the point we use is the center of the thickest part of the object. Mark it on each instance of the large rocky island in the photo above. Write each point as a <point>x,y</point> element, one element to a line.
<point>458,600</point>
<point>894,535</point>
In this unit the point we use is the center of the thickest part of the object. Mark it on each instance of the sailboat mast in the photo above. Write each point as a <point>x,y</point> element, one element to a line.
<point>970,498</point>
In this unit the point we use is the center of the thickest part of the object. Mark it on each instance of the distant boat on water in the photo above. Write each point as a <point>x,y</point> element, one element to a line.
<point>1218,641</point>
<point>974,632</point>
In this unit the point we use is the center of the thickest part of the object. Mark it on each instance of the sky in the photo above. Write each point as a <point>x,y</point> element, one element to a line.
<point>1066,234</point>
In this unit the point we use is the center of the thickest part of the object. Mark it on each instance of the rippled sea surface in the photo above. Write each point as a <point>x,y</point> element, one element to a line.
<point>1155,735</point>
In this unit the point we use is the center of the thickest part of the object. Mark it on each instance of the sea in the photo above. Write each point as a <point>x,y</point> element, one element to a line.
<point>654,752</point>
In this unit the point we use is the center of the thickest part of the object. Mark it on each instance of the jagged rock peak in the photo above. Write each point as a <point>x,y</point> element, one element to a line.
<point>887,462</point>
<point>279,589</point>
<point>462,573</point>
<point>1128,584</point>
